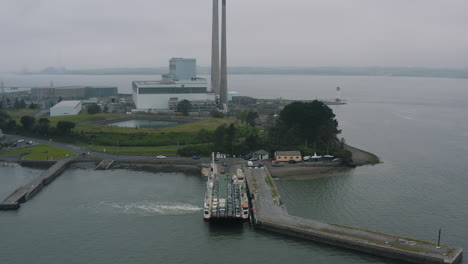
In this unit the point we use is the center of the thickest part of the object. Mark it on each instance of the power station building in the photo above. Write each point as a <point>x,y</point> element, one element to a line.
<point>181,83</point>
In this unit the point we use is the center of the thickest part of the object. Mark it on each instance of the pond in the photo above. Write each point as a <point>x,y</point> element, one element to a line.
<point>138,123</point>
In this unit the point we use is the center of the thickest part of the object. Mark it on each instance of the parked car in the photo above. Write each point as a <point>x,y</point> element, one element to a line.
<point>21,141</point>
<point>29,142</point>
<point>253,159</point>
<point>292,162</point>
<point>260,165</point>
<point>14,145</point>
<point>224,163</point>
<point>160,157</point>
<point>195,157</point>
<point>223,171</point>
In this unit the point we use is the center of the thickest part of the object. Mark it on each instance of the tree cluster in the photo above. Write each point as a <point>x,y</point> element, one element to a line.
<point>299,123</point>
<point>184,107</point>
<point>248,117</point>
<point>40,127</point>
<point>229,139</point>
<point>94,109</point>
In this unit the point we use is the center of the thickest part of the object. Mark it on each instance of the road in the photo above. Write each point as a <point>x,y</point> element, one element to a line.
<point>80,150</point>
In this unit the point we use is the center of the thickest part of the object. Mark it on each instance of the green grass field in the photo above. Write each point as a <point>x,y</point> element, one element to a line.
<point>40,152</point>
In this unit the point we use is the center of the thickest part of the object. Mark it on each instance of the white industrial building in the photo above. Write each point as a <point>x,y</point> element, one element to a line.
<point>181,83</point>
<point>66,108</point>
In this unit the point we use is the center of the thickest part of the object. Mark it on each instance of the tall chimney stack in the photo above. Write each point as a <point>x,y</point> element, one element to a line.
<point>215,50</point>
<point>223,82</point>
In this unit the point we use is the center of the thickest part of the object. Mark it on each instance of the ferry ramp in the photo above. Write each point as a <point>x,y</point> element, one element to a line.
<point>270,214</point>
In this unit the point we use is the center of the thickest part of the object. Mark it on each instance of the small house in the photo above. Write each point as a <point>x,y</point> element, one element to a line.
<point>261,154</point>
<point>288,155</point>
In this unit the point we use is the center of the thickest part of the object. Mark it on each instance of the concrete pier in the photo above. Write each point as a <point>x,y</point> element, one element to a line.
<point>270,214</point>
<point>105,164</point>
<point>27,192</point>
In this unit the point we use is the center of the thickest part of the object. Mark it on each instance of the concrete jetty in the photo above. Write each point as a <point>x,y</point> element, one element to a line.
<point>270,214</point>
<point>105,164</point>
<point>27,192</point>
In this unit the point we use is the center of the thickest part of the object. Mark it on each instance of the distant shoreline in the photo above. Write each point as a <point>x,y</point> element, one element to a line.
<point>457,73</point>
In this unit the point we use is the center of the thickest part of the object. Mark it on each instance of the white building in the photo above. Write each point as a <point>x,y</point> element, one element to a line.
<point>181,83</point>
<point>66,108</point>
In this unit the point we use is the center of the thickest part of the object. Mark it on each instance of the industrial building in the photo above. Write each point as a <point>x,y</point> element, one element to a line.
<point>74,92</point>
<point>219,82</point>
<point>66,108</point>
<point>181,83</point>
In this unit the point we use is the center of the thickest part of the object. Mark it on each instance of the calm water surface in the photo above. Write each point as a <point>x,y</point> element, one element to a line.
<point>136,123</point>
<point>418,126</point>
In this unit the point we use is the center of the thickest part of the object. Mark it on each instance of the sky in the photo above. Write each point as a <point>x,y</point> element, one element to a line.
<point>83,34</point>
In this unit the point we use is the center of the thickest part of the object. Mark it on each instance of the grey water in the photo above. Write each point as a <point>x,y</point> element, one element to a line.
<point>137,123</point>
<point>417,126</point>
<point>13,176</point>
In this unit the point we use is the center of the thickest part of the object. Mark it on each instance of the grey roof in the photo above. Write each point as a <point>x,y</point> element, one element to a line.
<point>261,152</point>
<point>288,153</point>
<point>67,103</point>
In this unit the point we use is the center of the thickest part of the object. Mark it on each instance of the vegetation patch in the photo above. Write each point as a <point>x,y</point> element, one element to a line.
<point>41,152</point>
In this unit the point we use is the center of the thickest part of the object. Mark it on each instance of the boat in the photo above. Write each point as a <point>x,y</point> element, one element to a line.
<point>226,197</point>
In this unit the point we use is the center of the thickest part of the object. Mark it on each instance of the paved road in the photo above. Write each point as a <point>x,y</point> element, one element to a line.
<point>79,150</point>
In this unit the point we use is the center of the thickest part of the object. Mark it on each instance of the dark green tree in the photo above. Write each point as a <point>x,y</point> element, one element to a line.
<point>33,106</point>
<point>22,104</point>
<point>301,122</point>
<point>250,119</point>
<point>94,109</point>
<point>43,126</point>
<point>184,107</point>
<point>28,122</point>
<point>64,127</point>
<point>216,114</point>
<point>16,104</point>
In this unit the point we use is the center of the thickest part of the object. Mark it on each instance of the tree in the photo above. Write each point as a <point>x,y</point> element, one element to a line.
<point>43,126</point>
<point>60,99</point>
<point>33,106</point>
<point>250,119</point>
<point>216,114</point>
<point>28,122</point>
<point>301,122</point>
<point>184,107</point>
<point>4,117</point>
<point>64,127</point>
<point>22,104</point>
<point>16,104</point>
<point>94,109</point>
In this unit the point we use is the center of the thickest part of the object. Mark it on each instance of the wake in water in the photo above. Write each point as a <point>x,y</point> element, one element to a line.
<point>153,208</point>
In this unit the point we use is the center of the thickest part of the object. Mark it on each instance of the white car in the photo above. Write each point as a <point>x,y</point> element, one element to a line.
<point>21,141</point>
<point>160,157</point>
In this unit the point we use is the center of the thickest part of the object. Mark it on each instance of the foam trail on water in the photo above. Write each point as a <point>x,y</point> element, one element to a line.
<point>154,208</point>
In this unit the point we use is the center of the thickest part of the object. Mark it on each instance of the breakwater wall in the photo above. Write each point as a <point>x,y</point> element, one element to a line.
<point>27,192</point>
<point>271,215</point>
<point>55,169</point>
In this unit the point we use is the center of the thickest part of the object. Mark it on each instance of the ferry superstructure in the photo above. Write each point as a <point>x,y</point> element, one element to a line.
<point>226,197</point>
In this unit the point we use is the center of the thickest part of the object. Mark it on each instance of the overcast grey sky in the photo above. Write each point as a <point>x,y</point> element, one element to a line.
<point>146,33</point>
